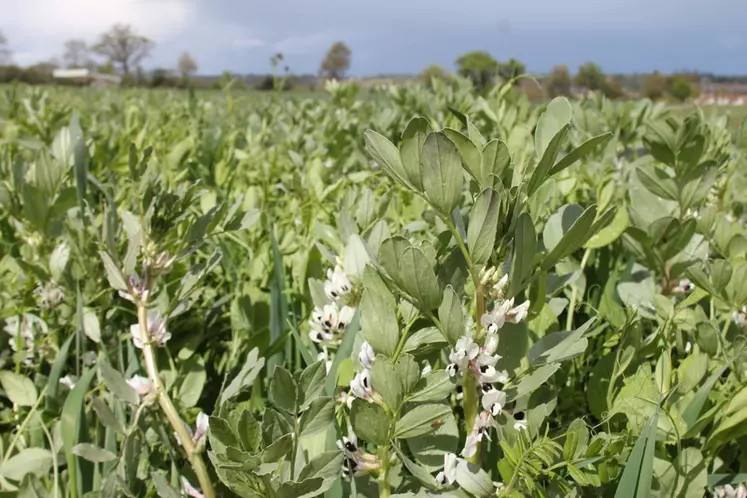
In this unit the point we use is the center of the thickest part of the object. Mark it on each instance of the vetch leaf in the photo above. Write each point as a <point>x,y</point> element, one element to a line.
<point>36,461</point>
<point>422,419</point>
<point>117,384</point>
<point>385,381</point>
<point>579,152</point>
<point>283,389</point>
<point>19,389</point>
<point>522,257</point>
<point>442,172</point>
<point>483,226</point>
<point>379,321</point>
<point>451,315</point>
<point>318,416</point>
<point>434,386</point>
<point>93,453</point>
<point>387,156</point>
<point>113,273</point>
<point>370,422</point>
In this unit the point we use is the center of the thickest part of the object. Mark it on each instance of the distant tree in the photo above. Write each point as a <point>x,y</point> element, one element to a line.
<point>680,88</point>
<point>4,51</point>
<point>612,88</point>
<point>511,69</point>
<point>590,76</point>
<point>76,54</point>
<point>336,62</point>
<point>162,78</point>
<point>433,71</point>
<point>654,85</point>
<point>123,46</point>
<point>559,81</point>
<point>480,67</point>
<point>186,65</point>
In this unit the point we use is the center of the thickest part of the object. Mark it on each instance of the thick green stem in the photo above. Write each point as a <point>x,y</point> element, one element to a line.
<point>168,407</point>
<point>574,293</point>
<point>384,490</point>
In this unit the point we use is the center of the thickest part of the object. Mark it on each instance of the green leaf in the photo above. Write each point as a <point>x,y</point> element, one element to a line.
<point>386,155</point>
<point>311,383</point>
<point>60,360</point>
<point>369,421</point>
<point>532,382</point>
<point>113,273</point>
<point>636,477</point>
<point>245,378</point>
<point>36,461</point>
<point>93,453</point>
<point>326,465</point>
<point>692,412</point>
<point>451,315</point>
<point>473,479</point>
<point>278,449</point>
<point>522,258</point>
<point>560,346</point>
<point>163,488</point>
<point>611,232</point>
<point>559,223</point>
<point>91,325</point>
<point>248,431</point>
<point>319,416</point>
<point>117,384</point>
<point>418,471</point>
<point>71,421</point>
<point>435,386</point>
<point>441,170</point>
<point>385,381</point>
<point>483,226</point>
<point>579,152</point>
<point>283,390</point>
<point>106,415</point>
<point>556,116</point>
<point>424,339</point>
<point>221,435</point>
<point>408,372</point>
<point>658,182</point>
<point>496,161</point>
<point>577,235</point>
<point>303,489</point>
<point>716,480</point>
<point>468,151</point>
<point>411,271</point>
<point>410,149</point>
<point>379,321</point>
<point>422,419</point>
<point>19,389</point>
<point>193,381</point>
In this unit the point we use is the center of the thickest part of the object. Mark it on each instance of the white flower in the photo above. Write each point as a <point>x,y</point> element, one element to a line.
<point>464,351</point>
<point>491,344</point>
<point>329,321</point>
<point>337,284</point>
<point>202,424</point>
<point>69,381</point>
<point>499,289</point>
<point>360,386</point>
<point>157,333</point>
<point>344,318</point>
<point>688,347</point>
<point>189,489</point>
<point>367,355</point>
<point>494,320</point>
<point>486,372</point>
<point>349,444</point>
<point>140,385</point>
<point>426,370</point>
<point>683,286</point>
<point>519,313</point>
<point>520,421</point>
<point>728,491</point>
<point>471,443</point>
<point>740,317</point>
<point>493,401</point>
<point>483,423</point>
<point>324,355</point>
<point>319,336</point>
<point>448,475</point>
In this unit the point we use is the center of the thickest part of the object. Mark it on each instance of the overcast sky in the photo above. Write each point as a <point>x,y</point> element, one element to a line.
<point>398,36</point>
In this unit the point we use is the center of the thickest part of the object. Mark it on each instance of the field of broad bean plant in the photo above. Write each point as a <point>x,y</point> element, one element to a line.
<point>416,292</point>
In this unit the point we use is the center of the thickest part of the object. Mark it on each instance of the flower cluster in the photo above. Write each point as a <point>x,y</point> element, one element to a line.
<point>357,462</point>
<point>729,491</point>
<point>49,295</point>
<point>137,290</point>
<point>360,386</point>
<point>448,475</point>
<point>22,330</point>
<point>157,333</point>
<point>329,323</point>
<point>740,317</point>
<point>683,287</point>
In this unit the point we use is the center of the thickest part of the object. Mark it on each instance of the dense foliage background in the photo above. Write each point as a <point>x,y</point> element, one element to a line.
<point>275,258</point>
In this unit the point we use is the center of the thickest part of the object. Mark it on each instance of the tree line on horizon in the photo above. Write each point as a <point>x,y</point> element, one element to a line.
<point>123,50</point>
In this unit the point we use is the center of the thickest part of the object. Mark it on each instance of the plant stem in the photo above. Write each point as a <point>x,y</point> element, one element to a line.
<point>22,427</point>
<point>168,407</point>
<point>574,293</point>
<point>384,491</point>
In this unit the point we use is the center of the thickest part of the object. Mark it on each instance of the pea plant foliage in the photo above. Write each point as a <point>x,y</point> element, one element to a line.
<point>508,300</point>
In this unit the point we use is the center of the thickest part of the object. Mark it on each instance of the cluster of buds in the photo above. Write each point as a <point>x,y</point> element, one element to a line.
<point>161,263</point>
<point>157,333</point>
<point>337,285</point>
<point>136,291</point>
<point>199,436</point>
<point>357,462</point>
<point>683,286</point>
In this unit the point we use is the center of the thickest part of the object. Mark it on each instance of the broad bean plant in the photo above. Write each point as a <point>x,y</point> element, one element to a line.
<point>400,291</point>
